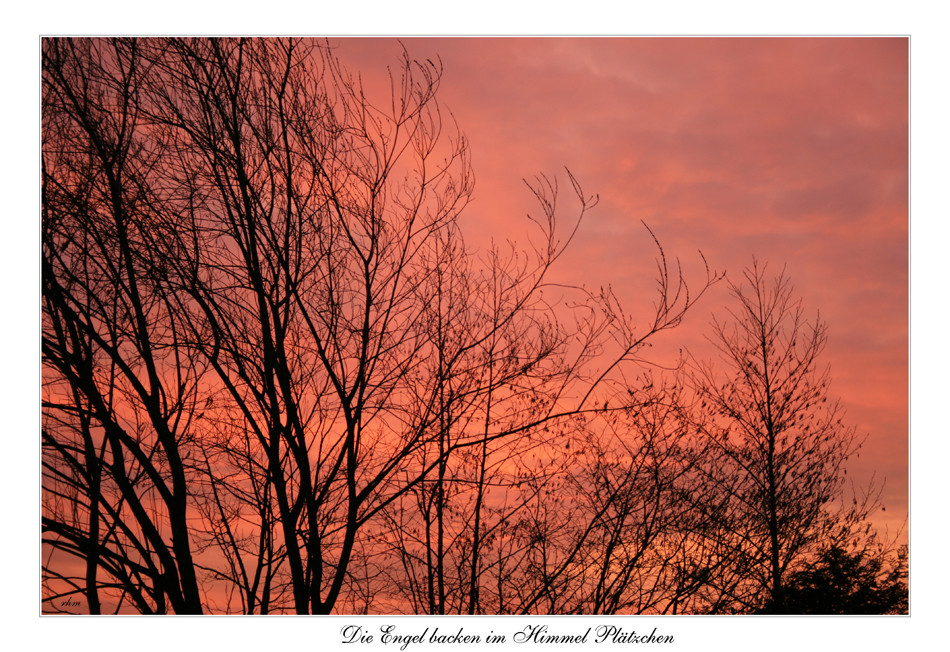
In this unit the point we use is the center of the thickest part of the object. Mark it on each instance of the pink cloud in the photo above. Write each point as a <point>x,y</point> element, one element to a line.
<point>794,150</point>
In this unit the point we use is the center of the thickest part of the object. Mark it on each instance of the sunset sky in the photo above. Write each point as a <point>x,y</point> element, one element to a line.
<point>792,150</point>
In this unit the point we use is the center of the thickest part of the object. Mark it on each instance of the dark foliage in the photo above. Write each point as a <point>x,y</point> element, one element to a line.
<point>847,583</point>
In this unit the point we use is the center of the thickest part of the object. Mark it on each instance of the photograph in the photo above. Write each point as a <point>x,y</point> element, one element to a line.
<point>475,326</point>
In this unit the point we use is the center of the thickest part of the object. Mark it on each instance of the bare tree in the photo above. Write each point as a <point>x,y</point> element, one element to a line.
<point>633,476</point>
<point>526,381</point>
<point>772,483</point>
<point>265,343</point>
<point>119,389</point>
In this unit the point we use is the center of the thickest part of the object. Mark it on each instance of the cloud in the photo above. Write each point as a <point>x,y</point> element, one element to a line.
<point>794,150</point>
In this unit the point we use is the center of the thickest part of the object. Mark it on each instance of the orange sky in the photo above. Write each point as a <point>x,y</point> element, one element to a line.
<point>794,150</point>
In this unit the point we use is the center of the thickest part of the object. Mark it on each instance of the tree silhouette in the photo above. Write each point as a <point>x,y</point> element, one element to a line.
<point>266,345</point>
<point>771,487</point>
<point>119,395</point>
<point>839,582</point>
